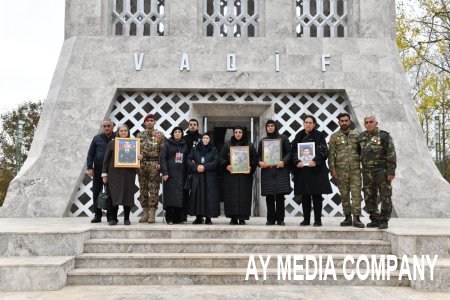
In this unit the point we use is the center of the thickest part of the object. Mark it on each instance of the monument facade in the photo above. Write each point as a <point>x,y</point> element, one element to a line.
<point>225,63</point>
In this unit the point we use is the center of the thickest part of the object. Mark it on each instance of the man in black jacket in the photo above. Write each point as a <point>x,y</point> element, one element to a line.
<point>94,163</point>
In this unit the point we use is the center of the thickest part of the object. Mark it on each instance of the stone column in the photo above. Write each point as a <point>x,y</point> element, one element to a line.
<point>278,18</point>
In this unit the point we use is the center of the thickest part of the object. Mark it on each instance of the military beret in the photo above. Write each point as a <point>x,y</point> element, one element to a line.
<point>149,116</point>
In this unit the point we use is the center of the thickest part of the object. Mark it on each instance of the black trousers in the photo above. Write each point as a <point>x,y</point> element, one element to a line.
<point>97,185</point>
<point>115,210</point>
<point>306,204</point>
<point>275,208</point>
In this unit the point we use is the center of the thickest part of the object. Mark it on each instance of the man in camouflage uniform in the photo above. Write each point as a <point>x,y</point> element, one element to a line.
<point>378,169</point>
<point>149,179</point>
<point>344,163</point>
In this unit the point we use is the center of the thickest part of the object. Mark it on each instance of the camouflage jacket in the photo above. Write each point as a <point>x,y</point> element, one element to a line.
<point>151,144</point>
<point>343,151</point>
<point>377,151</point>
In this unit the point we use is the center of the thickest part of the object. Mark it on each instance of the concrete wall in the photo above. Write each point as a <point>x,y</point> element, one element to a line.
<point>94,65</point>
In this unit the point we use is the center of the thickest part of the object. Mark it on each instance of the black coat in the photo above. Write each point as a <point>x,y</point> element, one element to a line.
<point>121,180</point>
<point>276,181</point>
<point>238,188</point>
<point>204,199</point>
<point>96,152</point>
<point>173,188</point>
<point>311,181</point>
<point>192,139</point>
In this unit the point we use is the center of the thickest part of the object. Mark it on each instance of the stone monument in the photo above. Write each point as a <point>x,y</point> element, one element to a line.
<point>225,63</point>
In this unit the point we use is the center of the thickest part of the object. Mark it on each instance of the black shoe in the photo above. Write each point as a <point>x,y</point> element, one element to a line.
<point>112,223</point>
<point>357,222</point>
<point>383,225</point>
<point>241,222</point>
<point>233,221</point>
<point>198,220</point>
<point>374,224</point>
<point>208,221</point>
<point>304,223</point>
<point>270,223</point>
<point>96,220</point>
<point>347,221</point>
<point>126,222</point>
<point>281,223</point>
<point>317,224</point>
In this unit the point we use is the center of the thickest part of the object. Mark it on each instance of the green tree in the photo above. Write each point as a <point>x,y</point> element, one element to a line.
<point>29,112</point>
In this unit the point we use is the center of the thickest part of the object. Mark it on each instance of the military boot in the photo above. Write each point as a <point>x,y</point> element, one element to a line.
<point>347,221</point>
<point>151,215</point>
<point>374,223</point>
<point>357,222</point>
<point>144,217</point>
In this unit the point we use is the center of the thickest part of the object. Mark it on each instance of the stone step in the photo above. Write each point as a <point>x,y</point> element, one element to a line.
<point>234,232</point>
<point>196,260</point>
<point>36,273</point>
<point>236,246</point>
<point>216,276</point>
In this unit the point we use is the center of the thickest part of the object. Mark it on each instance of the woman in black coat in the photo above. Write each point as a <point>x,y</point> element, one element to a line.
<point>173,168</point>
<point>238,187</point>
<point>204,200</point>
<point>120,180</point>
<point>275,179</point>
<point>311,179</point>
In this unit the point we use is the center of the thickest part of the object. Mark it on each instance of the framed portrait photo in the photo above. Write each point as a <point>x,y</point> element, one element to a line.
<point>306,152</point>
<point>240,159</point>
<point>271,151</point>
<point>126,152</point>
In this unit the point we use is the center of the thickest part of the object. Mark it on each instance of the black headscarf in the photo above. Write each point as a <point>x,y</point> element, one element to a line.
<point>241,142</point>
<point>275,134</point>
<point>204,149</point>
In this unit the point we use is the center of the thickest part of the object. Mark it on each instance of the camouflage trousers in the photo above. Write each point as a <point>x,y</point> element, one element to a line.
<point>350,182</point>
<point>149,181</point>
<point>374,184</point>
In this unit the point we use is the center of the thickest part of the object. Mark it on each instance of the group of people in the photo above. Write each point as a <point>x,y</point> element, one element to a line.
<point>190,165</point>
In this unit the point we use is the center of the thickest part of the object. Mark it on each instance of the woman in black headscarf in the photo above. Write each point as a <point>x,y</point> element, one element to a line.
<point>275,178</point>
<point>238,187</point>
<point>203,164</point>
<point>173,169</point>
<point>311,178</point>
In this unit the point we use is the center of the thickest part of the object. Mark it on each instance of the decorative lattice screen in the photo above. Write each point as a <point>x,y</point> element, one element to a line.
<point>138,17</point>
<point>230,18</point>
<point>321,18</point>
<point>172,109</point>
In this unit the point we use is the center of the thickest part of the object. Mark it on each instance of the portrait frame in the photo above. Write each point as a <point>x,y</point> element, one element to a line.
<point>124,159</point>
<point>240,159</point>
<point>271,151</point>
<point>311,147</point>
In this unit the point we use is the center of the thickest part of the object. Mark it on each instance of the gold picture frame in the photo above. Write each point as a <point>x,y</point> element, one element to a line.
<point>240,159</point>
<point>126,151</point>
<point>271,151</point>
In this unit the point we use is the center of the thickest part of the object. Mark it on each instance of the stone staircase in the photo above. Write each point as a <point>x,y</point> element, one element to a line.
<point>219,254</point>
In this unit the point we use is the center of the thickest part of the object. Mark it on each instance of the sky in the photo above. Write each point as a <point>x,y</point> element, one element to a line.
<point>31,38</point>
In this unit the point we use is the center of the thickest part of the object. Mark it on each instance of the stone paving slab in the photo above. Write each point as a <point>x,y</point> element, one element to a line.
<point>227,292</point>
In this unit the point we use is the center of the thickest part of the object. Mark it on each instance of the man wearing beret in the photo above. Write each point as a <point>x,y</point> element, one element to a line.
<point>149,175</point>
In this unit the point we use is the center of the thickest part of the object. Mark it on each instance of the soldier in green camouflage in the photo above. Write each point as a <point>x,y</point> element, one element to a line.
<point>378,169</point>
<point>344,164</point>
<point>149,173</point>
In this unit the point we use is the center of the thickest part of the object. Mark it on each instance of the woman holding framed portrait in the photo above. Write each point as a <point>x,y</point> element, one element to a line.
<point>309,155</point>
<point>274,156</point>
<point>119,172</point>
<point>239,160</point>
<point>173,168</point>
<point>204,199</point>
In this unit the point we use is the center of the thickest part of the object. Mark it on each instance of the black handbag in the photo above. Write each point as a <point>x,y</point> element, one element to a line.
<point>188,183</point>
<point>104,200</point>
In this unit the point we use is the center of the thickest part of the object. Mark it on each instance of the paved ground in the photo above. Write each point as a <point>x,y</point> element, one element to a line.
<point>227,292</point>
